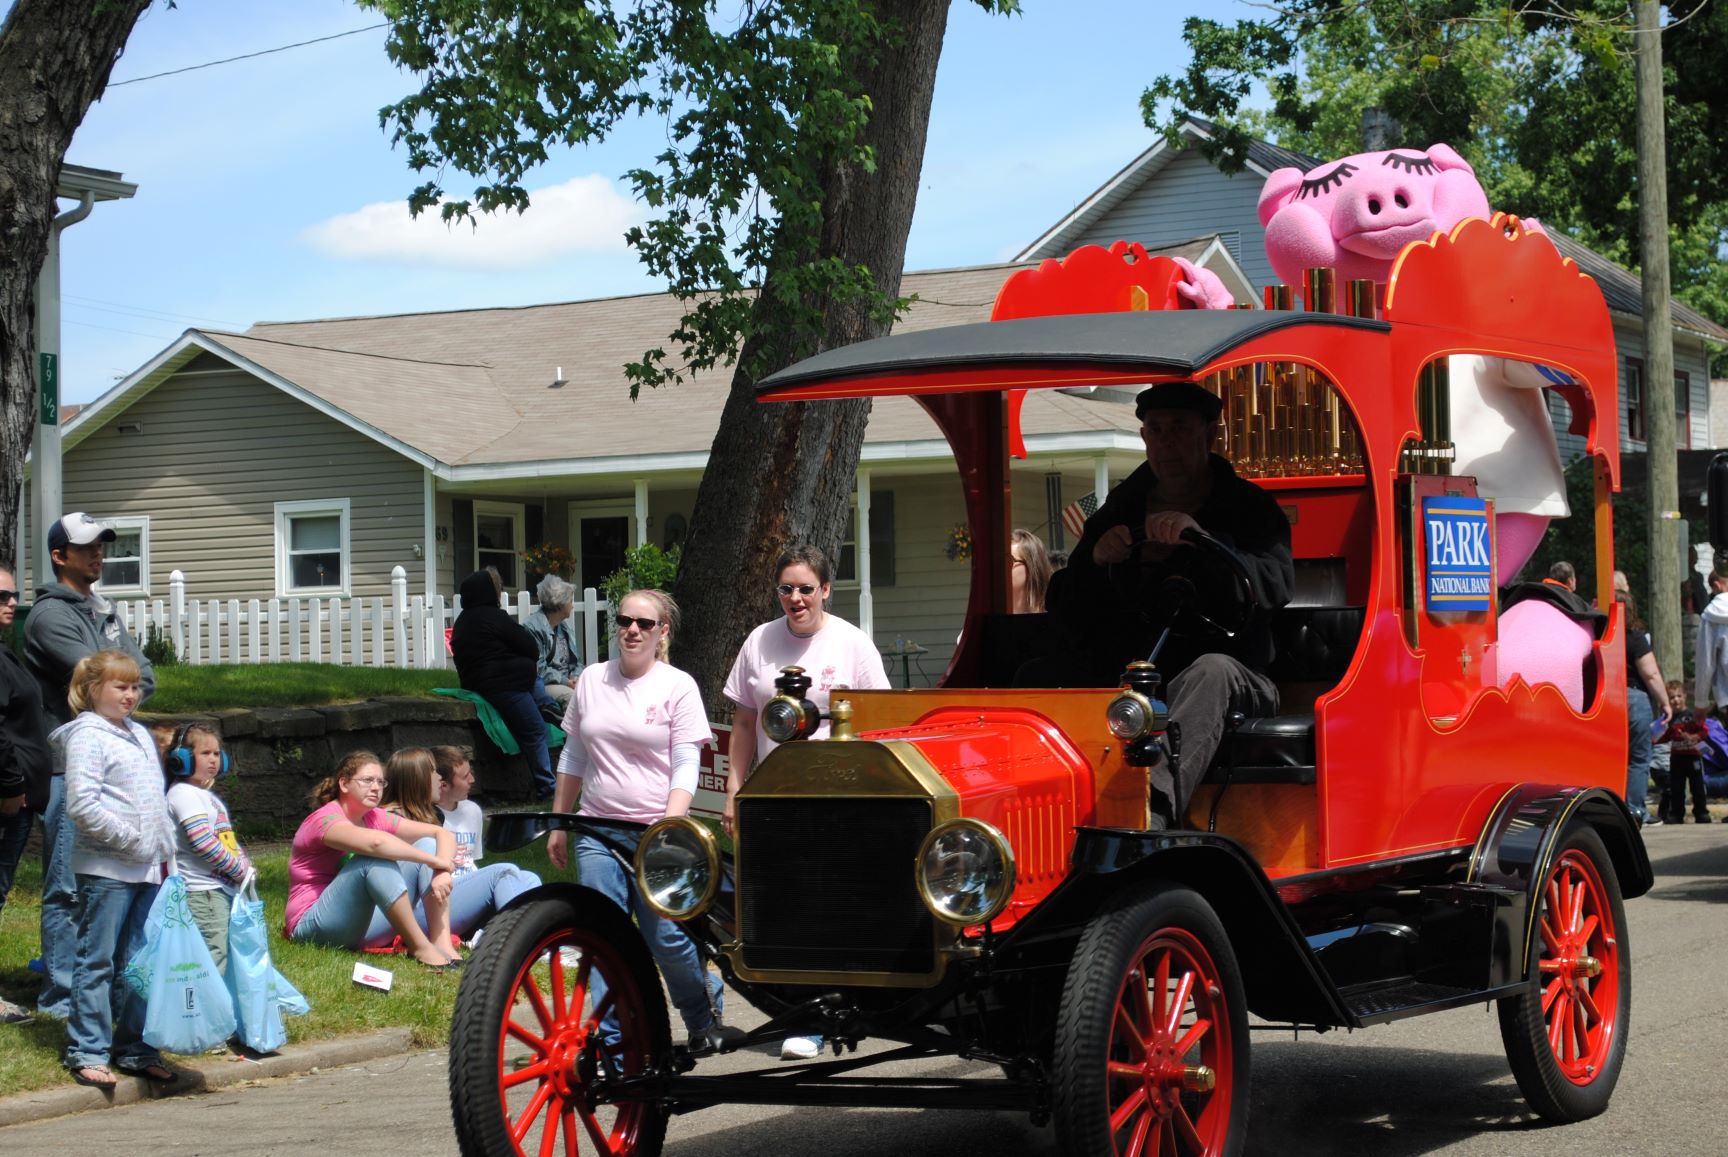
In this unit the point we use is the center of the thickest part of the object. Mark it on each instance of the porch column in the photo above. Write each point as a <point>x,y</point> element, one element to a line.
<point>641,511</point>
<point>1100,478</point>
<point>429,531</point>
<point>861,551</point>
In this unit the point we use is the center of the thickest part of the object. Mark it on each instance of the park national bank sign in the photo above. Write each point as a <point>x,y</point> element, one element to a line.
<point>1460,554</point>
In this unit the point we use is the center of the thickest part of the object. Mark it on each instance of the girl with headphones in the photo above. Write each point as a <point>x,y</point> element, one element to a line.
<point>209,855</point>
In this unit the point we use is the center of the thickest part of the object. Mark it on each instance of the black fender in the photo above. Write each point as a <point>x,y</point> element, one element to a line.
<point>1516,848</point>
<point>1283,979</point>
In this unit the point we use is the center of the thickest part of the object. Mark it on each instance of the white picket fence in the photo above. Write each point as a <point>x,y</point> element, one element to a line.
<point>393,631</point>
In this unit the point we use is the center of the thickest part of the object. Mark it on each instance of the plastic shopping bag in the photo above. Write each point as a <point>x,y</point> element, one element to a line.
<point>260,992</point>
<point>187,1007</point>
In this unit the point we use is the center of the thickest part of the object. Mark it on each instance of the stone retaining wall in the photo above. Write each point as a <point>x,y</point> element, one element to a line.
<point>280,753</point>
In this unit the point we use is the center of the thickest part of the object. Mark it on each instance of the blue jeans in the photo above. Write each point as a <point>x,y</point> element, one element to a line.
<point>697,993</point>
<point>349,913</point>
<point>107,1020</point>
<point>14,833</point>
<point>478,895</point>
<point>1638,718</point>
<point>522,716</point>
<point>59,906</point>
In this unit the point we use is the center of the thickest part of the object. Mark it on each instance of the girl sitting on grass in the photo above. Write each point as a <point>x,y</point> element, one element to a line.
<point>415,787</point>
<point>122,838</point>
<point>351,882</point>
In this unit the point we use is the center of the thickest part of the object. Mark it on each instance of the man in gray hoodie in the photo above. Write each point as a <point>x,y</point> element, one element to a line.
<point>68,621</point>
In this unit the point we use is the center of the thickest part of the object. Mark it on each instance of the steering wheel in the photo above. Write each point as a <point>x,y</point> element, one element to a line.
<point>1187,619</point>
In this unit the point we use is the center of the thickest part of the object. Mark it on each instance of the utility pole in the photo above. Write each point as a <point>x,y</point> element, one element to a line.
<point>1664,542</point>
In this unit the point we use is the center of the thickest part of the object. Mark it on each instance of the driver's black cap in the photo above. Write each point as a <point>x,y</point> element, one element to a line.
<point>1190,396</point>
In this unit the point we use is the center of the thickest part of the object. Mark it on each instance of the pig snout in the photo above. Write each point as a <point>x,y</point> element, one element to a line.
<point>1377,214</point>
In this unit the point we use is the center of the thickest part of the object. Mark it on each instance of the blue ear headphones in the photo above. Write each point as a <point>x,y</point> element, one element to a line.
<point>180,757</point>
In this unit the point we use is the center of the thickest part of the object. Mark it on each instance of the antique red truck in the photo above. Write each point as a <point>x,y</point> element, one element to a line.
<point>966,871</point>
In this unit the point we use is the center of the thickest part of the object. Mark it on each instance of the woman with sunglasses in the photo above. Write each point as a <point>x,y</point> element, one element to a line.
<point>833,652</point>
<point>635,728</point>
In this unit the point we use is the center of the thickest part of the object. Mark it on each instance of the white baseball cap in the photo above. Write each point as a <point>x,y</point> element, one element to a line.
<point>77,529</point>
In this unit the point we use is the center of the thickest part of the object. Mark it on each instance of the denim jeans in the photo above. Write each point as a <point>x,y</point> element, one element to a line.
<point>59,906</point>
<point>14,833</point>
<point>478,895</point>
<point>522,715</point>
<point>349,913</point>
<point>1638,718</point>
<point>107,1021</point>
<point>696,992</point>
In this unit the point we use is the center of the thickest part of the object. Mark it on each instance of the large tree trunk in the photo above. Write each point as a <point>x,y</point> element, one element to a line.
<point>784,473</point>
<point>55,57</point>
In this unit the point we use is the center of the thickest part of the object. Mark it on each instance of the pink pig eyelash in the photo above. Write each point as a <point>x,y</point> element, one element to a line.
<point>1419,164</point>
<point>1317,185</point>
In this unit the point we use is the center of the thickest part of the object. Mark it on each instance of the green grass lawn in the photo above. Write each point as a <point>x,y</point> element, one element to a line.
<point>184,688</point>
<point>420,1000</point>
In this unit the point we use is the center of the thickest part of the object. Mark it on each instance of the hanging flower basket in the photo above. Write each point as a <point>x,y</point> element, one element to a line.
<point>959,545</point>
<point>548,559</point>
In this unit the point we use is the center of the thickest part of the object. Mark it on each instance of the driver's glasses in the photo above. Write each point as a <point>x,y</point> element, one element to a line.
<point>786,589</point>
<point>8,597</point>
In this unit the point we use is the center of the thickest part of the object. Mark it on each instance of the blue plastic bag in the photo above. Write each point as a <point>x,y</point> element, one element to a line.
<point>260,992</point>
<point>187,1007</point>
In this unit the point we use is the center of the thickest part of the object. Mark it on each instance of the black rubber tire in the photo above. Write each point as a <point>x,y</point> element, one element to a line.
<point>494,981</point>
<point>1525,1027</point>
<point>1144,924</point>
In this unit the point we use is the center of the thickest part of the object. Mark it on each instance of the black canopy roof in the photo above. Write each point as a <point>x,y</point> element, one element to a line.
<point>1155,341</point>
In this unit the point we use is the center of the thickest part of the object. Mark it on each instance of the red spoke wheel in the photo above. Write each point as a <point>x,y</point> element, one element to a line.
<point>1151,1054</point>
<point>1565,1035</point>
<point>559,1003</point>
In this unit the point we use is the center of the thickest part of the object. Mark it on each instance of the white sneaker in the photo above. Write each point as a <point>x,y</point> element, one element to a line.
<point>800,1048</point>
<point>474,941</point>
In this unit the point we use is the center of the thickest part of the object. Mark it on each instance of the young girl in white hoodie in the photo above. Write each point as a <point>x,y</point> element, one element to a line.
<point>122,838</point>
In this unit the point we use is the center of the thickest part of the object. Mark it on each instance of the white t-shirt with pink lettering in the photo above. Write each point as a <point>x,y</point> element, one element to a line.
<point>628,728</point>
<point>838,655</point>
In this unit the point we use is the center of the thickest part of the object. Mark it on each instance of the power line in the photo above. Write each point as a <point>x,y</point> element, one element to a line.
<point>248,55</point>
<point>138,311</point>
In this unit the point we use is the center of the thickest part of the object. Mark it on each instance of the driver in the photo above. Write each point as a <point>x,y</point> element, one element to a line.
<point>1129,568</point>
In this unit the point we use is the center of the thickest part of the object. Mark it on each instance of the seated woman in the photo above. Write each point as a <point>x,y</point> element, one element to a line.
<point>351,877</point>
<point>555,636</point>
<point>414,788</point>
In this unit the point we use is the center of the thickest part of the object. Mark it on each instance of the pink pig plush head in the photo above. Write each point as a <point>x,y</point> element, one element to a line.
<point>1355,214</point>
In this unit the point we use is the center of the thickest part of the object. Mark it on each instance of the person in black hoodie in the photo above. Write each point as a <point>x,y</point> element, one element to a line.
<point>496,658</point>
<point>24,759</point>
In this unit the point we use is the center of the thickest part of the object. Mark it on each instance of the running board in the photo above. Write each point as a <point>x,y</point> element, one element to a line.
<point>686,1094</point>
<point>1379,1003</point>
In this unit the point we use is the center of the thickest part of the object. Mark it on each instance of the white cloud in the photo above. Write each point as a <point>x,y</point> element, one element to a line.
<point>586,214</point>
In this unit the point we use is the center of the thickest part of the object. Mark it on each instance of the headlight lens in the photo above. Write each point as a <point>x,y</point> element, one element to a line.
<point>966,872</point>
<point>785,718</point>
<point>678,867</point>
<point>1129,715</point>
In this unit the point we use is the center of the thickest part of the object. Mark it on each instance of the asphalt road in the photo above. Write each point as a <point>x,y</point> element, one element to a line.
<point>1435,1085</point>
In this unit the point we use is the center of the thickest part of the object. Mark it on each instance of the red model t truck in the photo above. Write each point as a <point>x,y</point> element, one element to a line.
<point>967,870</point>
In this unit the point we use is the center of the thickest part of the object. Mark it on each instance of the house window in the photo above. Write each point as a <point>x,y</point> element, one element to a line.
<point>498,541</point>
<point>881,543</point>
<point>1636,423</point>
<point>312,547</point>
<point>1683,409</point>
<point>126,564</point>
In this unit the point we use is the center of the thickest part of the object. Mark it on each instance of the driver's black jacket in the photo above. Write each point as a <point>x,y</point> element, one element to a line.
<point>1238,513</point>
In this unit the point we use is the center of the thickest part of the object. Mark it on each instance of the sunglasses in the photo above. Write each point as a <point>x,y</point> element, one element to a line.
<point>8,597</point>
<point>786,589</point>
<point>641,624</point>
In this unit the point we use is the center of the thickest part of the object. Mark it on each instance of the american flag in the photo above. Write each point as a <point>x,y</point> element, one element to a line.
<point>1075,514</point>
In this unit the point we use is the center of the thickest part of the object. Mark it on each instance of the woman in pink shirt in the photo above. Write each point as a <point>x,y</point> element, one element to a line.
<point>636,725</point>
<point>346,883</point>
<point>833,652</point>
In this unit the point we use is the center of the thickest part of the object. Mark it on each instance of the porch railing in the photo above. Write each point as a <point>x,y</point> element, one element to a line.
<point>384,631</point>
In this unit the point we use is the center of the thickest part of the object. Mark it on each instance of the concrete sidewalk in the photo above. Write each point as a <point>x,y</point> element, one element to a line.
<point>203,1074</point>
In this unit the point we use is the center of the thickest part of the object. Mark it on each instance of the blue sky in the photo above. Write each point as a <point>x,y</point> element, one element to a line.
<point>267,191</point>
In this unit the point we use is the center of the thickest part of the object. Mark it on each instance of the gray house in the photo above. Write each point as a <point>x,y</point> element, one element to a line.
<point>1167,192</point>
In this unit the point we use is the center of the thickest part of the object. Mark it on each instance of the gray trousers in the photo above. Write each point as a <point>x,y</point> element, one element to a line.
<point>1199,698</point>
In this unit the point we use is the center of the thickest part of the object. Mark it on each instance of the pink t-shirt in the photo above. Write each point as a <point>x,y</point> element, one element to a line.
<point>312,863</point>
<point>628,727</point>
<point>838,655</point>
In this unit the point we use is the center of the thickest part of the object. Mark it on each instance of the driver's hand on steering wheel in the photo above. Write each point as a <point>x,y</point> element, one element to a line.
<point>1166,527</point>
<point>1115,545</point>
